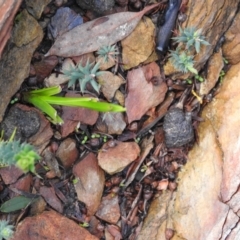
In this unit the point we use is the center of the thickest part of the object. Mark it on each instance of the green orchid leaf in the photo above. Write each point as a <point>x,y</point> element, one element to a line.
<point>16,203</point>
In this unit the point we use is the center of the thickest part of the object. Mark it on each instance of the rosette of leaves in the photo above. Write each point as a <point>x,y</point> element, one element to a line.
<point>182,61</point>
<point>22,155</point>
<point>108,53</point>
<point>6,230</point>
<point>191,38</point>
<point>84,74</point>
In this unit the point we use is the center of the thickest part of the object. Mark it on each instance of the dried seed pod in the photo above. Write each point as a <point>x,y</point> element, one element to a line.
<point>177,127</point>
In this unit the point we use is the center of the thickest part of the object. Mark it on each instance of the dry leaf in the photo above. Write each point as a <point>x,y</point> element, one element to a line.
<point>90,36</point>
<point>145,90</point>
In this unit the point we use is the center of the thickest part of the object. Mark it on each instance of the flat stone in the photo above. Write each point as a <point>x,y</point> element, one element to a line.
<point>14,68</point>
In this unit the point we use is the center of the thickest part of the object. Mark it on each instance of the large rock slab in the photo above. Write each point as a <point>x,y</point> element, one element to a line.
<point>15,62</point>
<point>206,204</point>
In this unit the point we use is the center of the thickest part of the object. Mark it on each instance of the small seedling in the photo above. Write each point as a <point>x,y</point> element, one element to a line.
<point>108,53</point>
<point>84,75</point>
<point>182,61</point>
<point>199,78</point>
<point>191,38</point>
<point>84,224</point>
<point>6,230</point>
<point>43,98</point>
<point>182,57</point>
<point>221,75</point>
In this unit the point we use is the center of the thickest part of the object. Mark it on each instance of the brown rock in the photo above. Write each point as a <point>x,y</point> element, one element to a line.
<point>109,84</point>
<point>231,46</point>
<point>139,45</point>
<point>8,10</point>
<point>50,225</point>
<point>36,7</point>
<point>114,156</point>
<point>90,184</point>
<point>14,68</point>
<point>67,152</point>
<point>109,209</point>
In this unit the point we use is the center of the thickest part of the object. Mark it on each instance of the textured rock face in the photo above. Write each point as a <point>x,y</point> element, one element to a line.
<point>14,68</point>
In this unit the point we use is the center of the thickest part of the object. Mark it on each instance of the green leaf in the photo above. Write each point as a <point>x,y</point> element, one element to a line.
<point>16,203</point>
<point>47,91</point>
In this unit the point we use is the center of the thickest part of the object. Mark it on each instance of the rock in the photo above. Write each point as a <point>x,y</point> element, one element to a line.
<point>8,10</point>
<point>90,182</point>
<point>139,45</point>
<point>109,84</point>
<point>99,6</point>
<point>67,152</point>
<point>231,46</point>
<point>114,156</point>
<point>14,68</point>
<point>207,198</point>
<point>31,126</point>
<point>50,225</point>
<point>177,127</point>
<point>24,119</point>
<point>36,7</point>
<point>109,209</point>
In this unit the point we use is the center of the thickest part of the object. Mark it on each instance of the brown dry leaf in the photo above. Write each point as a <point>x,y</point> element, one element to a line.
<point>139,45</point>
<point>90,184</point>
<point>73,115</point>
<point>146,89</point>
<point>114,156</point>
<point>109,84</point>
<point>90,36</point>
<point>49,195</point>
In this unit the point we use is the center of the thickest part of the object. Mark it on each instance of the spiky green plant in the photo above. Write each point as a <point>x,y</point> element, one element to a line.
<point>6,230</point>
<point>43,98</point>
<point>84,75</point>
<point>191,38</point>
<point>182,61</point>
<point>108,52</point>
